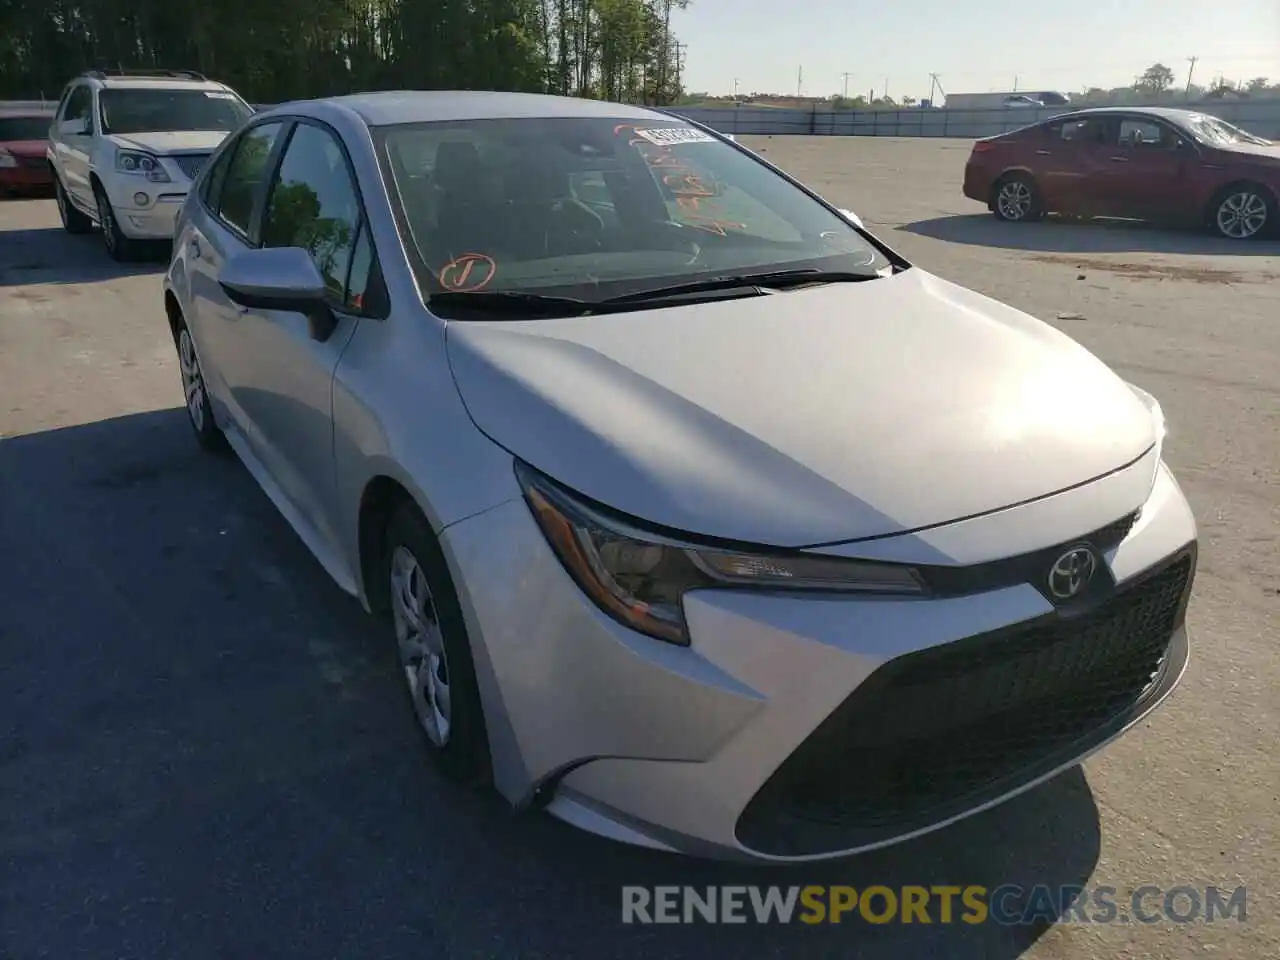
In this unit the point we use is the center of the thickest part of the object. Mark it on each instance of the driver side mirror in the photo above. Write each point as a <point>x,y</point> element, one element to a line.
<point>852,218</point>
<point>280,278</point>
<point>77,127</point>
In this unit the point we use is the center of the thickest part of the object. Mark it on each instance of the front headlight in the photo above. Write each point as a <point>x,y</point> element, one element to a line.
<point>141,164</point>
<point>7,160</point>
<point>639,577</point>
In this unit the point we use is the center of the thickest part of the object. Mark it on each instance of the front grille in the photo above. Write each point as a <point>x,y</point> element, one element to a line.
<point>191,163</point>
<point>935,732</point>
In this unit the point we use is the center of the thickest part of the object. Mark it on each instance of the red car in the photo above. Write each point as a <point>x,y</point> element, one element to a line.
<point>1142,164</point>
<point>24,168</point>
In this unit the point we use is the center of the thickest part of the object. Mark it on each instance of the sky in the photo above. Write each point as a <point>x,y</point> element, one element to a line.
<point>973,47</point>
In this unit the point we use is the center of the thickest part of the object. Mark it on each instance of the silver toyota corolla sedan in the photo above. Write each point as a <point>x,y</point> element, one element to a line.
<point>698,516</point>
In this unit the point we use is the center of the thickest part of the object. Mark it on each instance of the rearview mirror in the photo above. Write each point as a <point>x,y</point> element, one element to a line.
<point>77,127</point>
<point>280,278</point>
<point>852,218</point>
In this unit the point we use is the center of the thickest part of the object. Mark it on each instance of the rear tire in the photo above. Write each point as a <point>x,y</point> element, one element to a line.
<point>1016,199</point>
<point>119,247</point>
<point>196,393</point>
<point>1243,211</point>
<point>429,635</point>
<point>73,221</point>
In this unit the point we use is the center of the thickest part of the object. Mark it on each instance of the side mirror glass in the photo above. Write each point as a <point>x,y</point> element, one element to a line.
<point>280,278</point>
<point>852,218</point>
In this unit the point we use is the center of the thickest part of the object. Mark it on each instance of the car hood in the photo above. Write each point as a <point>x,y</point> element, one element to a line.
<point>180,142</point>
<point>823,415</point>
<point>26,148</point>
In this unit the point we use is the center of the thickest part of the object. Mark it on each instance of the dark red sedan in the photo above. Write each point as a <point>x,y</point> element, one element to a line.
<point>1152,164</point>
<point>24,168</point>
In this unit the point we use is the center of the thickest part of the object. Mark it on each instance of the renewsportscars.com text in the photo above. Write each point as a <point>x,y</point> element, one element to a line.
<point>1009,904</point>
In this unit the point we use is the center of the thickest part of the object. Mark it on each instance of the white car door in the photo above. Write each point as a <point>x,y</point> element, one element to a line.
<point>74,145</point>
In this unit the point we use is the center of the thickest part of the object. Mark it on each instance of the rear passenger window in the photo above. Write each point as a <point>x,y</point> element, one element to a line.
<point>245,172</point>
<point>313,205</point>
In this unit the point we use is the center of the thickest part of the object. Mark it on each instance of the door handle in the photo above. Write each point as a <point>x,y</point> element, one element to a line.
<point>195,248</point>
<point>1119,159</point>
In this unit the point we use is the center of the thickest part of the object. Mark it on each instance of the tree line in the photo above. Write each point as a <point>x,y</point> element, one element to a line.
<point>292,49</point>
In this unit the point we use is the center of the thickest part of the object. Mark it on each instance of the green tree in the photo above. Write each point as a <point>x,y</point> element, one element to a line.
<point>1156,79</point>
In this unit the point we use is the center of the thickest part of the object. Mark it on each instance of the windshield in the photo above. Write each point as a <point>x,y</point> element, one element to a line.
<point>126,111</point>
<point>1216,132</point>
<point>594,208</point>
<point>24,128</point>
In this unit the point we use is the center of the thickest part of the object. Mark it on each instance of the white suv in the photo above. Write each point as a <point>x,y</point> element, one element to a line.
<point>125,147</point>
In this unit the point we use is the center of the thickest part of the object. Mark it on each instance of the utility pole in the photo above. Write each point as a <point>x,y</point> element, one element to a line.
<point>1190,73</point>
<point>799,79</point>
<point>846,77</point>
<point>735,89</point>
<point>886,88</point>
<point>678,87</point>
<point>1015,83</point>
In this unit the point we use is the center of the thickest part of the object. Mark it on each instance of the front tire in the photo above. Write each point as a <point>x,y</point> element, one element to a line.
<point>434,651</point>
<point>199,409</point>
<point>119,247</point>
<point>1243,211</point>
<point>73,221</point>
<point>1016,199</point>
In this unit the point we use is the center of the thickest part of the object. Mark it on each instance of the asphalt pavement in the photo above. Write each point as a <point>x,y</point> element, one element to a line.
<point>205,751</point>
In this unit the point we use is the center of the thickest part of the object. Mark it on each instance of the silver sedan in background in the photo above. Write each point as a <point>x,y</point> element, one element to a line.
<point>698,517</point>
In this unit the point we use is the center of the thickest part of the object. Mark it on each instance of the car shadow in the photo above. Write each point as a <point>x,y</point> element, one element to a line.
<point>205,741</point>
<point>1054,235</point>
<point>40,255</point>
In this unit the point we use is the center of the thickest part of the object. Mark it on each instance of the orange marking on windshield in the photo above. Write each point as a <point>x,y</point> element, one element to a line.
<point>468,273</point>
<point>686,186</point>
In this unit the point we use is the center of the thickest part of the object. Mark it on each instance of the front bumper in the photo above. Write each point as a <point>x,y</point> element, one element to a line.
<point>153,219</point>
<point>805,728</point>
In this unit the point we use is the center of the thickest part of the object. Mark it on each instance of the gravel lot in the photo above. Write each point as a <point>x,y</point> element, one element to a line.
<point>204,752</point>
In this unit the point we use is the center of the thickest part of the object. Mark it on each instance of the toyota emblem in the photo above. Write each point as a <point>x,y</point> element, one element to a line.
<point>1071,572</point>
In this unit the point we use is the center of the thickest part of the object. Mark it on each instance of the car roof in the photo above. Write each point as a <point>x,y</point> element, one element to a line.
<point>1166,113</point>
<point>157,83</point>
<point>423,106</point>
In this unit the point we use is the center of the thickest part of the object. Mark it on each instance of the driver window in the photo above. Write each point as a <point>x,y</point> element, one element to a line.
<point>1145,134</point>
<point>79,106</point>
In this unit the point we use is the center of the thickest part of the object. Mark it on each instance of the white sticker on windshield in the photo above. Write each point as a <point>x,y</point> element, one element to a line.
<point>670,136</point>
<point>219,95</point>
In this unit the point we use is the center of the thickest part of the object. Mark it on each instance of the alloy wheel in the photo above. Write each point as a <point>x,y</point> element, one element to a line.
<point>1014,200</point>
<point>421,646</point>
<point>1242,215</point>
<point>192,381</point>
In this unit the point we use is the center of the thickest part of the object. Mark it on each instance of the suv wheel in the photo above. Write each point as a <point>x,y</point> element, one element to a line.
<point>73,221</point>
<point>120,247</point>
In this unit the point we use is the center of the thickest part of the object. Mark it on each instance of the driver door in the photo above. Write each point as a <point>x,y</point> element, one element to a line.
<point>73,145</point>
<point>282,378</point>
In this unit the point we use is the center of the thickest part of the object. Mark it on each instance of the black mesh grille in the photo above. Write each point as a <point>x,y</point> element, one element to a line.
<point>191,163</point>
<point>947,725</point>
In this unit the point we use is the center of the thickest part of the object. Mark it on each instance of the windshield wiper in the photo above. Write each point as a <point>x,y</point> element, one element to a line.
<point>774,279</point>
<point>511,301</point>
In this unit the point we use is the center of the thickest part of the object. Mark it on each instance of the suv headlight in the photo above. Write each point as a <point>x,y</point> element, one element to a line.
<point>640,577</point>
<point>141,164</point>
